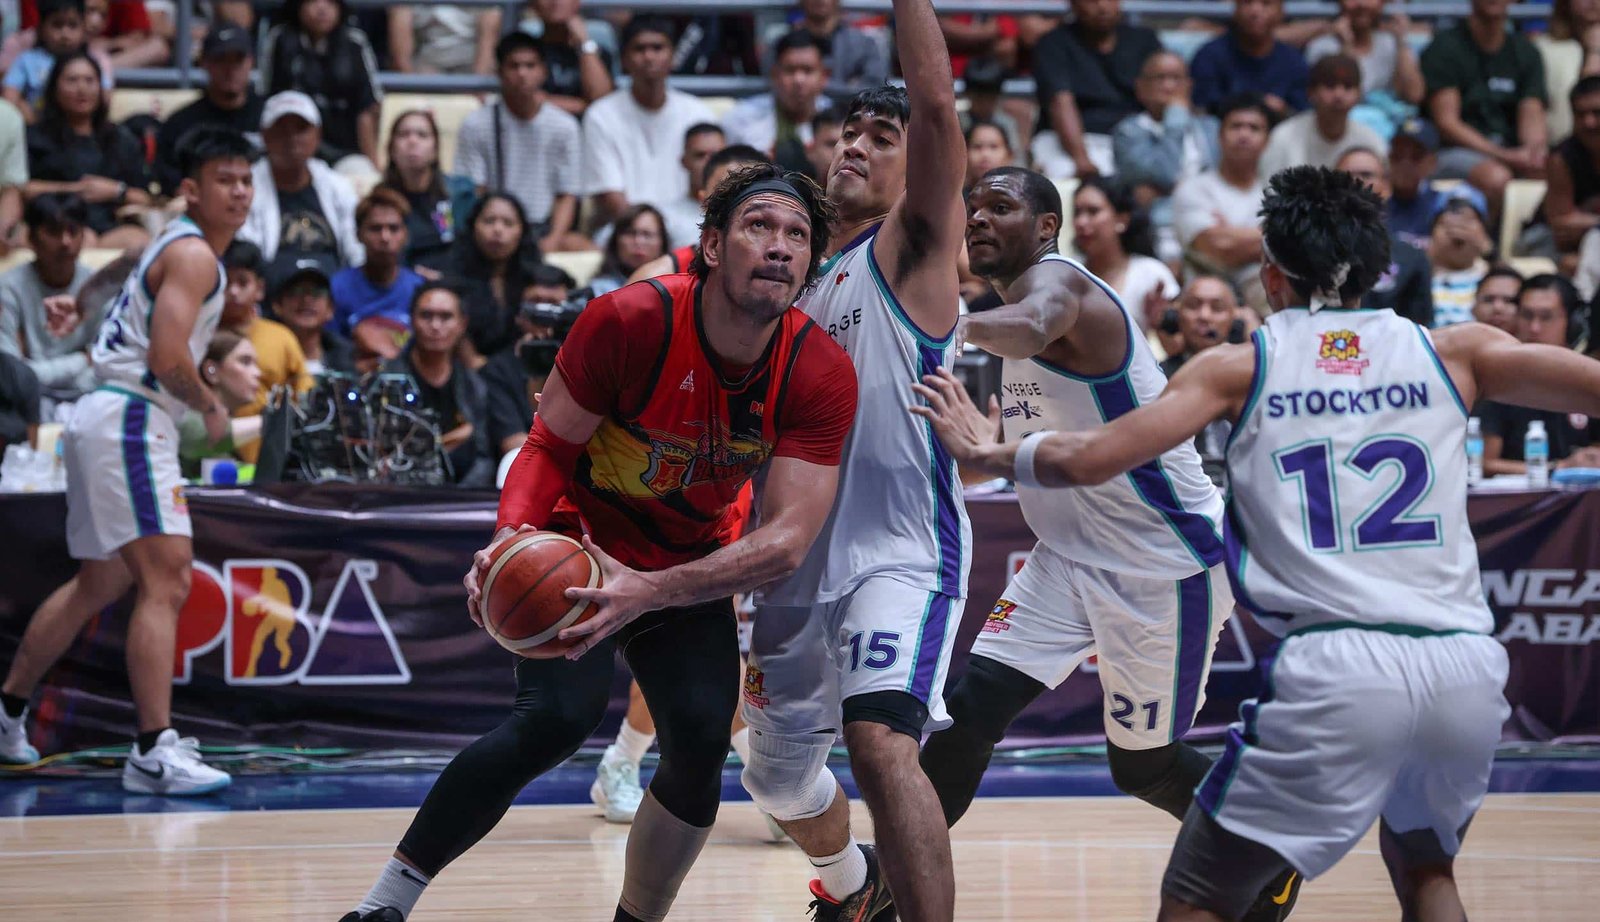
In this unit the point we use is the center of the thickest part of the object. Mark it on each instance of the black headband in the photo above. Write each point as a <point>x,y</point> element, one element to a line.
<point>771,186</point>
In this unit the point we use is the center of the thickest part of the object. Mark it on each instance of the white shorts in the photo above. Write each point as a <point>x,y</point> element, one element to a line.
<point>1354,724</point>
<point>123,481</point>
<point>1152,638</point>
<point>885,635</point>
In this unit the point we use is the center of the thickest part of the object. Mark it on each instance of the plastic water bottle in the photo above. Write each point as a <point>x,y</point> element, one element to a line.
<point>1474,452</point>
<point>1536,455</point>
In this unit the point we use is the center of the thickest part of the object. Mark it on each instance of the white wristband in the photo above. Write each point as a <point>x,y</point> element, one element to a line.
<point>1023,473</point>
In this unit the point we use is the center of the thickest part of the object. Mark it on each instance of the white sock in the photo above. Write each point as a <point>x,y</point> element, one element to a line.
<point>741,744</point>
<point>844,873</point>
<point>399,886</point>
<point>633,744</point>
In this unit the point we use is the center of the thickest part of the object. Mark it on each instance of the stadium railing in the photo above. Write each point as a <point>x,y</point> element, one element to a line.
<point>185,74</point>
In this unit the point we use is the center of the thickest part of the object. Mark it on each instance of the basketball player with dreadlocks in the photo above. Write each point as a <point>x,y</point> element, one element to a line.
<point>1346,535</point>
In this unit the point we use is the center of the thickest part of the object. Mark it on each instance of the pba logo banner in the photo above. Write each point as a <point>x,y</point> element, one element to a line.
<point>1340,353</point>
<point>259,612</point>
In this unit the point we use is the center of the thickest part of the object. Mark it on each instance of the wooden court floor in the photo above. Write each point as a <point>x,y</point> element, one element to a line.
<point>1529,857</point>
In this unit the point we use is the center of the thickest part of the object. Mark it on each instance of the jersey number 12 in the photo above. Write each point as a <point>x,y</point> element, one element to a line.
<point>1388,522</point>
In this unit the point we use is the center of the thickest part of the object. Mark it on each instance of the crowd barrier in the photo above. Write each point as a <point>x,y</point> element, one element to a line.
<point>333,615</point>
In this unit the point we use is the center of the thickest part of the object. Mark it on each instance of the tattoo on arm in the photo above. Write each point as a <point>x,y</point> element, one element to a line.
<point>184,383</point>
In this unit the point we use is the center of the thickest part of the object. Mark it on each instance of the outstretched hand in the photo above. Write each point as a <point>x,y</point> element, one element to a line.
<point>623,595</point>
<point>964,429</point>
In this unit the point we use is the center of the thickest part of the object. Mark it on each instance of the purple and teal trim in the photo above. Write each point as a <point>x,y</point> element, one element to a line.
<point>137,469</point>
<point>1213,788</point>
<point>1115,398</point>
<point>1194,641</point>
<point>882,281</point>
<point>1449,383</point>
<point>936,623</point>
<point>1258,380</point>
<point>931,354</point>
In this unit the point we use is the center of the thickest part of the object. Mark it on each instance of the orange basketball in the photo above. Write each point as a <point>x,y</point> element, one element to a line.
<point>524,603</point>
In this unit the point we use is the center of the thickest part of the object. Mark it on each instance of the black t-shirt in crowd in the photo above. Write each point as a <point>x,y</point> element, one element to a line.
<point>1566,431</point>
<point>116,155</point>
<point>510,413</point>
<point>338,76</point>
<point>246,120</point>
<point>1101,84</point>
<point>564,64</point>
<point>450,414</point>
<point>305,230</point>
<point>1406,287</point>
<point>19,399</point>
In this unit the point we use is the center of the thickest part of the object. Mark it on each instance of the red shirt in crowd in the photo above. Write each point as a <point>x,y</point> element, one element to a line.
<point>658,483</point>
<point>123,17</point>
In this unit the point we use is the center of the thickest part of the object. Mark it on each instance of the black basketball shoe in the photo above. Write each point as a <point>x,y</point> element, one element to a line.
<point>864,905</point>
<point>386,914</point>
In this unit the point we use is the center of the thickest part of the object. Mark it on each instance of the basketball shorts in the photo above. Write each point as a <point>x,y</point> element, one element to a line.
<point>1152,639</point>
<point>123,482</point>
<point>885,635</point>
<point>1353,724</point>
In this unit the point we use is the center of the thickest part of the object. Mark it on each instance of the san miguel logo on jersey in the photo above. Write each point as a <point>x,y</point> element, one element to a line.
<point>1340,353</point>
<point>675,463</point>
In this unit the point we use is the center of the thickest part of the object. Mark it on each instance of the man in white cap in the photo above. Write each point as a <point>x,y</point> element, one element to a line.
<point>302,207</point>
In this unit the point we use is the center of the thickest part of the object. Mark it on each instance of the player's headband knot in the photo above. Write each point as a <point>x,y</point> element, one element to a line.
<point>1322,297</point>
<point>771,187</point>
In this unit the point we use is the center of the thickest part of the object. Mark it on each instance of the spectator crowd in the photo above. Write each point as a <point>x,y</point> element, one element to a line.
<point>410,244</point>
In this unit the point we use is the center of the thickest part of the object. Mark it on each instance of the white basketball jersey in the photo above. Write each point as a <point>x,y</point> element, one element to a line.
<point>1347,479</point>
<point>1161,519</point>
<point>121,354</point>
<point>899,509</point>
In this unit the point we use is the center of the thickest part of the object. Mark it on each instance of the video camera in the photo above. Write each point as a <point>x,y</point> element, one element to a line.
<point>539,355</point>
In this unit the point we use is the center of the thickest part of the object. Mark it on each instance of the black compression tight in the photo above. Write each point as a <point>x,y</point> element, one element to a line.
<point>687,664</point>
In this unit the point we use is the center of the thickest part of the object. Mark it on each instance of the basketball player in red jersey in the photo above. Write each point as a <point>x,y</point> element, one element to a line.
<point>665,399</point>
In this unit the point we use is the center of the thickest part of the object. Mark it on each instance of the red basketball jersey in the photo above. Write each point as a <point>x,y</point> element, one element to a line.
<point>682,433</point>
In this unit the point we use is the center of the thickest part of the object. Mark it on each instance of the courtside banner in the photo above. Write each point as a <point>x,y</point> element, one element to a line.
<point>334,615</point>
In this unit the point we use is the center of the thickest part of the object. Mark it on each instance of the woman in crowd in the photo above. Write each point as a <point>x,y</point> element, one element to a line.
<point>490,266</point>
<point>987,148</point>
<point>439,201</point>
<point>638,236</point>
<point>1112,233</point>
<point>230,369</point>
<point>75,148</point>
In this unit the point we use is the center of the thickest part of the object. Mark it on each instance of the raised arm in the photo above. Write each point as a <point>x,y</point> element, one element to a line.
<point>926,226</point>
<point>1212,385</point>
<point>1041,314</point>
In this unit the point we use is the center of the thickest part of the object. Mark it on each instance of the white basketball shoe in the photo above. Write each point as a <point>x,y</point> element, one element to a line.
<point>616,788</point>
<point>14,746</point>
<point>172,768</point>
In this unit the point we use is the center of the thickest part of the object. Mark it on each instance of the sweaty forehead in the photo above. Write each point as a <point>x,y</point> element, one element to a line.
<point>769,201</point>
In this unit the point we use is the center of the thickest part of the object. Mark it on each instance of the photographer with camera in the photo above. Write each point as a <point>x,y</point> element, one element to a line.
<point>513,376</point>
<point>450,389</point>
<point>1207,315</point>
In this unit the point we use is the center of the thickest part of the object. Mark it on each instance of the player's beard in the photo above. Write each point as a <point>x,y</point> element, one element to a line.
<point>761,303</point>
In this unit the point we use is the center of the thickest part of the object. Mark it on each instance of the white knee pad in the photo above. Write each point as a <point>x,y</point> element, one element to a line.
<point>787,775</point>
